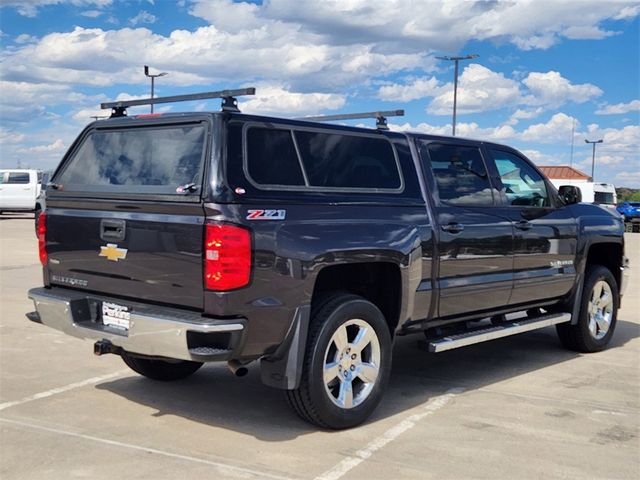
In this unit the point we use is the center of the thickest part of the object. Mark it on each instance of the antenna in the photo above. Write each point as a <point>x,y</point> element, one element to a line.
<point>381,117</point>
<point>229,102</point>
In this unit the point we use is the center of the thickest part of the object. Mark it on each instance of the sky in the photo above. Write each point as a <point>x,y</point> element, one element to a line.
<point>549,74</point>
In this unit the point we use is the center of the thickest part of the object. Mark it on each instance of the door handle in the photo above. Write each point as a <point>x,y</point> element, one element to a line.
<point>523,225</point>
<point>452,228</point>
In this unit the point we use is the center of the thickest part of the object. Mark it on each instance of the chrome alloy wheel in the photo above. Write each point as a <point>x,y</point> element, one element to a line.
<point>600,309</point>
<point>351,363</point>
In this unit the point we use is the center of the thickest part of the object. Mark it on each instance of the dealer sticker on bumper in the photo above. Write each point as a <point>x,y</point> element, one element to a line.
<point>114,315</point>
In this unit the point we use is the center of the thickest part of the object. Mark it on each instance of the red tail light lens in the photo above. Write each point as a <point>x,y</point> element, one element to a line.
<point>227,257</point>
<point>42,237</point>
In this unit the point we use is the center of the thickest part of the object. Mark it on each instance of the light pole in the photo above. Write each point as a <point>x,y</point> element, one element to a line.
<point>153,77</point>
<point>593,157</point>
<point>456,60</point>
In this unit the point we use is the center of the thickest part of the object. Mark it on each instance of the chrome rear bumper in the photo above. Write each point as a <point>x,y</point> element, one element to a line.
<point>153,330</point>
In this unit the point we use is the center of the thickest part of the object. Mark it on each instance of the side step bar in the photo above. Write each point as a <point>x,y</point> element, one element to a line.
<point>490,333</point>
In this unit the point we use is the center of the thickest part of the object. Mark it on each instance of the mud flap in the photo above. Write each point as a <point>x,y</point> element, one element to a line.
<point>283,369</point>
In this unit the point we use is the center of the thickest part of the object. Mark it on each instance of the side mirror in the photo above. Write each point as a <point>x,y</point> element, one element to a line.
<point>570,194</point>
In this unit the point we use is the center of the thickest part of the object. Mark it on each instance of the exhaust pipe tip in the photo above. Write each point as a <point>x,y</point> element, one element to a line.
<point>237,368</point>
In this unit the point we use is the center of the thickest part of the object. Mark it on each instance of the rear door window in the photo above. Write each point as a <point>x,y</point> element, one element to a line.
<point>141,160</point>
<point>460,173</point>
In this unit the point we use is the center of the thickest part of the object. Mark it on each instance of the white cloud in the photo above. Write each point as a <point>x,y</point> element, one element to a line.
<point>524,115</point>
<point>276,100</point>
<point>57,146</point>
<point>143,17</point>
<point>619,108</point>
<point>29,8</point>
<point>418,88</point>
<point>442,25</point>
<point>25,38</point>
<point>8,136</point>
<point>465,130</point>
<point>540,158</point>
<point>23,102</point>
<point>587,32</point>
<point>629,179</point>
<point>479,90</point>
<point>91,13</point>
<point>204,56</point>
<point>552,89</point>
<point>557,129</point>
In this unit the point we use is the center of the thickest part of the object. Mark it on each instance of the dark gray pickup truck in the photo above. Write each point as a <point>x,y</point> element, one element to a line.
<point>178,239</point>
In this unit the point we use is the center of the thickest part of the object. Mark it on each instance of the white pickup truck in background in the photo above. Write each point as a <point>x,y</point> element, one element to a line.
<point>19,189</point>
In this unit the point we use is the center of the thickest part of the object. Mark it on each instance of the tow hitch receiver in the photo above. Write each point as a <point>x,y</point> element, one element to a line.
<point>102,347</point>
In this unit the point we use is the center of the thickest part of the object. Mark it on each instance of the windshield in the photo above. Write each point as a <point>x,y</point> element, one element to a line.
<point>142,160</point>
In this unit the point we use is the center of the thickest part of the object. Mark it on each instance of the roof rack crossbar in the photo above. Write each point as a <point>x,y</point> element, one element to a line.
<point>229,102</point>
<point>381,117</point>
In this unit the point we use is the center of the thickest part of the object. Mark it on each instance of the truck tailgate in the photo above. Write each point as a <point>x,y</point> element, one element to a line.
<point>142,255</point>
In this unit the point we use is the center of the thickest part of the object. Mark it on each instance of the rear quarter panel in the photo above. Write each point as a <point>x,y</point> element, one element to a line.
<point>289,255</point>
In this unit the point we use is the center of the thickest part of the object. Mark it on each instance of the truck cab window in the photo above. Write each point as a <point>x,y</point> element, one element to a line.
<point>522,184</point>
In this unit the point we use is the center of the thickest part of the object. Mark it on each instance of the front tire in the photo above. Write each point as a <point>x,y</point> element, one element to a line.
<point>347,363</point>
<point>160,369</point>
<point>598,313</point>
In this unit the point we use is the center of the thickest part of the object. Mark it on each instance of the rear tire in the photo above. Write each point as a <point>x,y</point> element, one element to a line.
<point>598,313</point>
<point>347,363</point>
<point>160,369</point>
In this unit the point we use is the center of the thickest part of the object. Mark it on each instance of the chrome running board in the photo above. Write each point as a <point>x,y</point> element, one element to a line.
<point>491,333</point>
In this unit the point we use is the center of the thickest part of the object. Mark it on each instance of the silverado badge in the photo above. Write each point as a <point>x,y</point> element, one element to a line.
<point>112,252</point>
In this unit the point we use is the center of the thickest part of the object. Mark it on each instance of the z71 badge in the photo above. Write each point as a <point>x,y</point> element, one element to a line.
<point>266,214</point>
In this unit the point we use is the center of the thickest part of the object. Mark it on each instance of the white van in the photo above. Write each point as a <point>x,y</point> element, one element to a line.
<point>19,189</point>
<point>592,192</point>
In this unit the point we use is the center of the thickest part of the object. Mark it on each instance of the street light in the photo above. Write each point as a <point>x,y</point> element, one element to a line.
<point>153,77</point>
<point>593,157</point>
<point>455,82</point>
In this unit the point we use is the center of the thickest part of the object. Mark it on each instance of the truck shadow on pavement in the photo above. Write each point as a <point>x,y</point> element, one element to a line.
<point>213,396</point>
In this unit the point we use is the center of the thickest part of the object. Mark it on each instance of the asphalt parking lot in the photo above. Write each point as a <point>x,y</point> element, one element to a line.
<point>519,407</point>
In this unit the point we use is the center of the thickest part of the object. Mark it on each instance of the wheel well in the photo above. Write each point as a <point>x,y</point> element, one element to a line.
<point>608,255</point>
<point>378,282</point>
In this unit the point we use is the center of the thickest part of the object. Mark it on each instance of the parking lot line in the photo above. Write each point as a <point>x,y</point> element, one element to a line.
<point>349,463</point>
<point>222,466</point>
<point>66,388</point>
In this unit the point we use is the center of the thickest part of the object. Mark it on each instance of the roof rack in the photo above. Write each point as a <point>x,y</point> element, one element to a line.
<point>381,117</point>
<point>229,102</point>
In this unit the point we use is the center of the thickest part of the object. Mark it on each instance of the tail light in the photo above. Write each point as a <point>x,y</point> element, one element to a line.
<point>227,257</point>
<point>42,237</point>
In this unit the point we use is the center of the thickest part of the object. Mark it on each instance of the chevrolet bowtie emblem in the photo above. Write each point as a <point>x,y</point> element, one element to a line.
<point>113,253</point>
